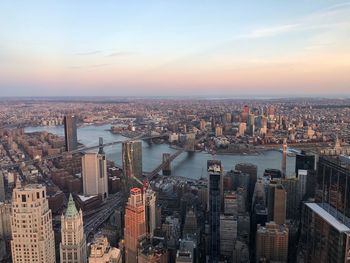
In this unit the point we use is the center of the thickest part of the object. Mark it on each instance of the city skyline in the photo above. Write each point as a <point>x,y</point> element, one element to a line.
<point>180,48</point>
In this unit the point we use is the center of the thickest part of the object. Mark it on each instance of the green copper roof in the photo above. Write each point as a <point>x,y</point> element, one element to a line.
<point>71,209</point>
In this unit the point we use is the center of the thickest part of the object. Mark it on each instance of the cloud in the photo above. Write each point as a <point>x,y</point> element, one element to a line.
<point>270,31</point>
<point>121,54</point>
<point>90,66</point>
<point>89,53</point>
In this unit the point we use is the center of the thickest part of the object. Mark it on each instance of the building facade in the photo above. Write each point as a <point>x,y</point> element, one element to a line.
<point>318,224</point>
<point>31,224</point>
<point>70,133</point>
<point>94,173</point>
<point>277,203</point>
<point>102,252</point>
<point>272,243</point>
<point>135,227</point>
<point>150,212</point>
<point>214,194</point>
<point>73,239</point>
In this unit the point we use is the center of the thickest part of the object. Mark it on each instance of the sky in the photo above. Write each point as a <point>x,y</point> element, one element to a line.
<point>175,48</point>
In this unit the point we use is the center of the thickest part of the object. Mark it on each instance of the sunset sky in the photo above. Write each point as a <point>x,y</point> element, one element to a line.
<point>178,47</point>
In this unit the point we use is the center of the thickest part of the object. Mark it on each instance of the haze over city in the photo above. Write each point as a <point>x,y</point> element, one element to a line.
<point>183,131</point>
<point>175,48</point>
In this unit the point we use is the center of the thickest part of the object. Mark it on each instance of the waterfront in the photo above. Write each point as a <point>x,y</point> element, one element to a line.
<point>188,165</point>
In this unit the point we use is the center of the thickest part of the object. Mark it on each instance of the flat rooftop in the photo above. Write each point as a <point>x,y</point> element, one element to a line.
<point>328,217</point>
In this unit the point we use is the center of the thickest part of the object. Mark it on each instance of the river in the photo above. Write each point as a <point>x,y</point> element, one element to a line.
<point>187,165</point>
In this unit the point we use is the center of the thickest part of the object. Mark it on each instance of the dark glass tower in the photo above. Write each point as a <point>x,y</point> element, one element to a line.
<point>304,161</point>
<point>70,133</point>
<point>214,170</point>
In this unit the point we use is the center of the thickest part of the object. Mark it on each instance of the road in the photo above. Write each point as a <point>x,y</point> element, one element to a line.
<point>102,214</point>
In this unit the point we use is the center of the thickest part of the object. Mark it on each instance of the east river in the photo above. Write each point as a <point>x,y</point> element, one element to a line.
<point>187,165</point>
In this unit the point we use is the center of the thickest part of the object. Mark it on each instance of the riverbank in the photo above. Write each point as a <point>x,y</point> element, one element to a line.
<point>186,165</point>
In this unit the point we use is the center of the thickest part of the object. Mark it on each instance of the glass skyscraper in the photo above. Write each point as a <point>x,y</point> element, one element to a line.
<point>70,133</point>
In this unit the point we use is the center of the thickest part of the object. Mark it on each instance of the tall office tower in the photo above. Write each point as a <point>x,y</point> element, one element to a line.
<point>150,212</point>
<point>135,228</point>
<point>73,240</point>
<point>190,227</point>
<point>215,166</point>
<point>228,235</point>
<point>228,117</point>
<point>333,186</point>
<point>242,127</point>
<point>284,158</point>
<point>323,237</point>
<point>245,114</point>
<point>218,131</point>
<point>304,161</point>
<point>202,125</point>
<point>276,203</point>
<point>230,203</point>
<point>292,187</point>
<point>5,230</point>
<point>102,252</point>
<point>272,243</point>
<point>2,188</point>
<point>70,132</point>
<point>271,112</point>
<point>259,209</point>
<point>132,159</point>
<point>94,173</point>
<point>215,186</point>
<point>328,218</point>
<point>31,224</point>
<point>252,170</point>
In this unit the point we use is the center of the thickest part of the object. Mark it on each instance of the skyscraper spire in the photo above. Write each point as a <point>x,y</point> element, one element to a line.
<point>71,208</point>
<point>18,182</point>
<point>73,239</point>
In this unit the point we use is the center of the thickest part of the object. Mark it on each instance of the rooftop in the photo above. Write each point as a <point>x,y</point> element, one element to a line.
<point>328,217</point>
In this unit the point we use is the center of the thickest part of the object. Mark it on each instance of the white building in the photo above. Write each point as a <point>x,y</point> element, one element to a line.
<point>73,240</point>
<point>94,172</point>
<point>31,224</point>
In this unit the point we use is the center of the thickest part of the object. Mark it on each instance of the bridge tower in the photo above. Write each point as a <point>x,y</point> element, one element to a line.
<point>190,145</point>
<point>167,168</point>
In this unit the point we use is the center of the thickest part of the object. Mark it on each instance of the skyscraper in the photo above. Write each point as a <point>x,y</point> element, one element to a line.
<point>323,237</point>
<point>327,220</point>
<point>276,203</point>
<point>132,159</point>
<point>31,223</point>
<point>228,235</point>
<point>70,132</point>
<point>150,212</point>
<point>73,240</point>
<point>5,230</point>
<point>304,161</point>
<point>252,170</point>
<point>94,173</point>
<point>2,187</point>
<point>135,228</point>
<point>214,170</point>
<point>190,228</point>
<point>272,243</point>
